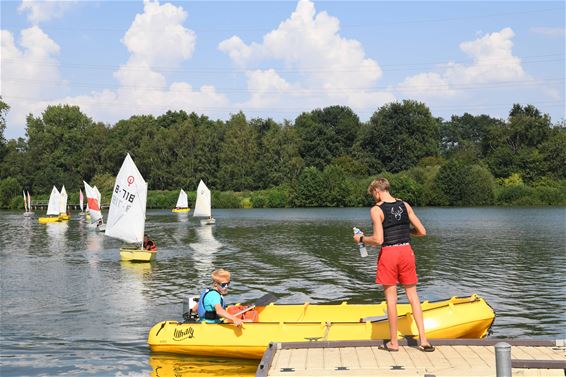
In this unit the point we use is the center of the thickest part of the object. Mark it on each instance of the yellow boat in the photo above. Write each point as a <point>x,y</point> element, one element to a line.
<point>136,255</point>
<point>64,216</point>
<point>49,219</point>
<point>457,317</point>
<point>180,210</point>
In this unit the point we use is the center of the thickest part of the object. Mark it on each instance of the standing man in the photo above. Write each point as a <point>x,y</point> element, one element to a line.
<point>392,219</point>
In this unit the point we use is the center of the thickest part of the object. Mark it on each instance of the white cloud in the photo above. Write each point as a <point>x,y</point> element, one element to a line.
<point>329,68</point>
<point>558,32</point>
<point>492,61</point>
<point>157,36</point>
<point>29,72</point>
<point>45,10</point>
<point>156,39</point>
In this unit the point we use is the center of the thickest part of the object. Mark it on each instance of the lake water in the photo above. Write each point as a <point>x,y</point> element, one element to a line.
<point>70,307</point>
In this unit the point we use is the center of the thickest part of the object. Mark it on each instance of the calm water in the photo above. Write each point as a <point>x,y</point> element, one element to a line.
<point>70,307</point>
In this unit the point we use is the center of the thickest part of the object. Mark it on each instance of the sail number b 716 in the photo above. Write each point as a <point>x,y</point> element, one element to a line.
<point>126,195</point>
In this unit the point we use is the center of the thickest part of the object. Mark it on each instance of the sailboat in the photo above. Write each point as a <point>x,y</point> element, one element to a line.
<point>126,217</point>
<point>182,203</point>
<point>203,205</point>
<point>93,205</point>
<point>63,215</point>
<point>27,204</point>
<point>52,208</point>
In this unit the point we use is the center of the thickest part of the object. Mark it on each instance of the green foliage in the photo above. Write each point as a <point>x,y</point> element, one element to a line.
<point>310,188</point>
<point>465,185</point>
<point>326,157</point>
<point>9,188</point>
<point>401,134</point>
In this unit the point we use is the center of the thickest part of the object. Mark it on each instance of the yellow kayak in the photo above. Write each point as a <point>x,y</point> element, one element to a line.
<point>136,255</point>
<point>457,317</point>
<point>180,210</point>
<point>45,220</point>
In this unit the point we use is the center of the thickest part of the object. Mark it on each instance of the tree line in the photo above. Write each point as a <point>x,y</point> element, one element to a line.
<point>325,157</point>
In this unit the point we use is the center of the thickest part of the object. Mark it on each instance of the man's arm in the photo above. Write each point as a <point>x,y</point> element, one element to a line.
<point>376,238</point>
<point>418,228</point>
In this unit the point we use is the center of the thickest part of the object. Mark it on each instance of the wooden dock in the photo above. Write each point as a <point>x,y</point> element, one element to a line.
<point>452,357</point>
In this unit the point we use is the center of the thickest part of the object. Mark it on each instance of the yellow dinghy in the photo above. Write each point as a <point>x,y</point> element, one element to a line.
<point>182,205</point>
<point>180,210</point>
<point>136,255</point>
<point>49,219</point>
<point>457,317</point>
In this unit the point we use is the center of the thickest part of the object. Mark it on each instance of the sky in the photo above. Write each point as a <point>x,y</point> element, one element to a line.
<point>277,59</point>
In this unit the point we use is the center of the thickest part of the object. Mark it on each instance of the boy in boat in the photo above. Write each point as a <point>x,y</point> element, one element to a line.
<point>148,244</point>
<point>392,219</point>
<point>211,307</point>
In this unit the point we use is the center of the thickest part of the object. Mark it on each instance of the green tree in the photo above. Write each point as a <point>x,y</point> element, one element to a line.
<point>9,188</point>
<point>238,155</point>
<point>400,134</point>
<point>553,154</point>
<point>326,134</point>
<point>336,190</point>
<point>310,189</point>
<point>466,185</point>
<point>56,143</point>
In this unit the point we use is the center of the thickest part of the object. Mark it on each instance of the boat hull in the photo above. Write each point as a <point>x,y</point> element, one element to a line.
<point>180,210</point>
<point>136,255</point>
<point>45,220</point>
<point>468,317</point>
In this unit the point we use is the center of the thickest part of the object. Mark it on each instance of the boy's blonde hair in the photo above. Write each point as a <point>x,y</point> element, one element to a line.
<point>380,184</point>
<point>220,275</point>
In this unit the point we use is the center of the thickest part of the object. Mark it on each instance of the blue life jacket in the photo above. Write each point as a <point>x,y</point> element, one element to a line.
<point>202,312</point>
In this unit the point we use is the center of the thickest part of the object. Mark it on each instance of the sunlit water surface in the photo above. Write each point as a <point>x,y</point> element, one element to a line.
<point>70,307</point>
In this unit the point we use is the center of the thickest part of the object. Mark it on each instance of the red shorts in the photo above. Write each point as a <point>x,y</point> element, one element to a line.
<point>396,264</point>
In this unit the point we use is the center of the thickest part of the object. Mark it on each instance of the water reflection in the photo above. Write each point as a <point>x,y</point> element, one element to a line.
<point>189,366</point>
<point>203,252</point>
<point>56,233</point>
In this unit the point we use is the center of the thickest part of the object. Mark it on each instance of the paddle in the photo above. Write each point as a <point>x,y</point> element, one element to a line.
<point>262,301</point>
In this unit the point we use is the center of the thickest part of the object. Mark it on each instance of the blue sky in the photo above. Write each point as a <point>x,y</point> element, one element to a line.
<point>279,58</point>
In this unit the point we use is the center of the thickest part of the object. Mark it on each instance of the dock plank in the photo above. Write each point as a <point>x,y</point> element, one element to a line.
<point>449,359</point>
<point>366,358</point>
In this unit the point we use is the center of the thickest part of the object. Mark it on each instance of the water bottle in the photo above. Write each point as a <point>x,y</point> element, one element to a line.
<point>361,246</point>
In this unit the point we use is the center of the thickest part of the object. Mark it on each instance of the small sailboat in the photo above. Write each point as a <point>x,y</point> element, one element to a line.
<point>27,205</point>
<point>52,208</point>
<point>182,203</point>
<point>63,215</point>
<point>126,217</point>
<point>203,205</point>
<point>93,205</point>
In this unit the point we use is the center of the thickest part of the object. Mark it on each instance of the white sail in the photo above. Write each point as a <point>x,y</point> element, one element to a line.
<point>98,196</point>
<point>126,217</point>
<point>203,203</point>
<point>93,204</point>
<point>63,201</point>
<point>25,201</point>
<point>53,206</point>
<point>183,201</point>
<point>81,199</point>
<point>29,202</point>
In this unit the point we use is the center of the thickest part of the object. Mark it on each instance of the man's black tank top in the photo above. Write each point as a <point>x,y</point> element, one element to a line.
<point>396,224</point>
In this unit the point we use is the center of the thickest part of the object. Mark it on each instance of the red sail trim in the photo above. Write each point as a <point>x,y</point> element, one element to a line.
<point>93,204</point>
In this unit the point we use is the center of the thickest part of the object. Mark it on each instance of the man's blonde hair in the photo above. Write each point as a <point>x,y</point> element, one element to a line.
<point>381,184</point>
<point>220,275</point>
